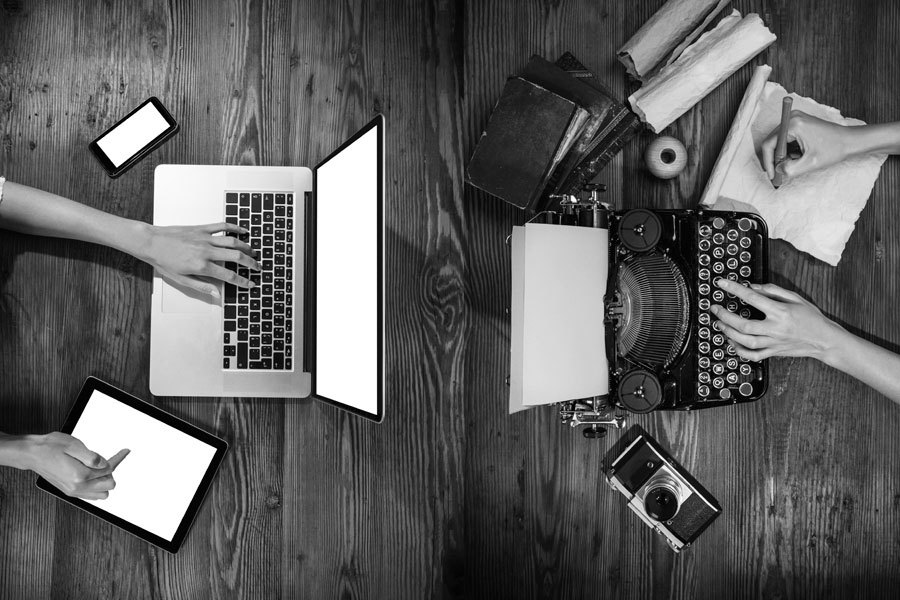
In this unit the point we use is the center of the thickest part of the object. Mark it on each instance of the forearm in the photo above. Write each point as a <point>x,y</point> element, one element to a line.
<point>880,138</point>
<point>29,210</point>
<point>873,365</point>
<point>14,451</point>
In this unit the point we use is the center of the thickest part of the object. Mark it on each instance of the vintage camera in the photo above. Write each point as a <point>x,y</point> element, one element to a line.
<point>662,493</point>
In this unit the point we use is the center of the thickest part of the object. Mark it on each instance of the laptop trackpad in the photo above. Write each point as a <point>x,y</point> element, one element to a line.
<point>180,299</point>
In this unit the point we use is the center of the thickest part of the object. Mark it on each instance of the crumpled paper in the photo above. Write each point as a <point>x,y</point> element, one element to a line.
<point>815,212</point>
<point>705,64</point>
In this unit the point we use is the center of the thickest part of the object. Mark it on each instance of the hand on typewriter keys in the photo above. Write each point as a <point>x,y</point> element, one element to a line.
<point>793,326</point>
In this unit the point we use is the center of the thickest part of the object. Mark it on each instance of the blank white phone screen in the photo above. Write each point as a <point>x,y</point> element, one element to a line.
<point>347,275</point>
<point>158,479</point>
<point>132,134</point>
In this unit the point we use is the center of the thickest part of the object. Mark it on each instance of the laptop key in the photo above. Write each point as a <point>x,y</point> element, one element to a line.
<point>230,326</point>
<point>278,332</point>
<point>290,198</point>
<point>278,345</point>
<point>231,209</point>
<point>226,363</point>
<point>254,342</point>
<point>231,311</point>
<point>230,351</point>
<point>287,364</point>
<point>266,326</point>
<point>254,329</point>
<point>242,336</point>
<point>279,211</point>
<point>267,202</point>
<point>266,351</point>
<point>254,354</point>
<point>266,363</point>
<point>242,356</point>
<point>245,199</point>
<point>227,338</point>
<point>255,202</point>
<point>279,198</point>
<point>278,360</point>
<point>266,312</point>
<point>230,293</point>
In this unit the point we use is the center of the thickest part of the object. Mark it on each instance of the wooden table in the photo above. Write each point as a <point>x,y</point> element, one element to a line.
<point>449,497</point>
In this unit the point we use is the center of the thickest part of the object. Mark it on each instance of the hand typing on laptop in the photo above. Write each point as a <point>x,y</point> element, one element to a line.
<point>63,461</point>
<point>190,256</point>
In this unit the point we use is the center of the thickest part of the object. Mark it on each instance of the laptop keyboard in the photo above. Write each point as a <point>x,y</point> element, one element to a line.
<point>258,329</point>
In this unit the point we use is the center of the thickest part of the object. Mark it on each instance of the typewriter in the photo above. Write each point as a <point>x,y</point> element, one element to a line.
<point>662,347</point>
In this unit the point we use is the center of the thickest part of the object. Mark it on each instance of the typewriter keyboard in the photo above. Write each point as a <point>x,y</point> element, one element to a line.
<point>726,248</point>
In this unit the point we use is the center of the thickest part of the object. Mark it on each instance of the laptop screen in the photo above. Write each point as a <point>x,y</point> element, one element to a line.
<point>349,190</point>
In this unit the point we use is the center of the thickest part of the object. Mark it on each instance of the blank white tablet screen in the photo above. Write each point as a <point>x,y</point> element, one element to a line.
<point>132,134</point>
<point>158,479</point>
<point>347,194</point>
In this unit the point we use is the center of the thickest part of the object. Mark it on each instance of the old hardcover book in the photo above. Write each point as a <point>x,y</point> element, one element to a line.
<point>529,132</point>
<point>618,126</point>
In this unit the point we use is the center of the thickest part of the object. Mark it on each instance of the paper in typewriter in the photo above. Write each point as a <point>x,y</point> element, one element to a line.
<point>815,212</point>
<point>558,351</point>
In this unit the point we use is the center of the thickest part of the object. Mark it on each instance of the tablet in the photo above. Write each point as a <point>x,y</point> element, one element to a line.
<point>161,483</point>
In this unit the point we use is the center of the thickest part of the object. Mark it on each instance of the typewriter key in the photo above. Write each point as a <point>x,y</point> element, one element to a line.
<point>718,223</point>
<point>725,394</point>
<point>718,239</point>
<point>703,377</point>
<point>733,235</point>
<point>732,277</point>
<point>744,224</point>
<point>732,263</point>
<point>731,363</point>
<point>703,363</point>
<point>718,267</point>
<point>703,390</point>
<point>703,347</point>
<point>703,288</point>
<point>732,249</point>
<point>703,304</point>
<point>745,388</point>
<point>745,242</point>
<point>704,274</point>
<point>717,325</point>
<point>745,312</point>
<point>730,350</point>
<point>704,333</point>
<point>718,383</point>
<point>704,259</point>
<point>704,247</point>
<point>718,296</point>
<point>705,230</point>
<point>703,318</point>
<point>718,368</point>
<point>745,271</point>
<point>717,354</point>
<point>731,306</point>
<point>718,339</point>
<point>731,378</point>
<point>718,252</point>
<point>745,369</point>
<point>744,256</point>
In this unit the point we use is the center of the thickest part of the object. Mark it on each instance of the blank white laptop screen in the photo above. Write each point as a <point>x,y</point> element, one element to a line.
<point>156,482</point>
<point>348,199</point>
<point>134,133</point>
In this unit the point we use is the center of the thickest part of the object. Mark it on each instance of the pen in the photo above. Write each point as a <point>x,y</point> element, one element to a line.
<point>781,143</point>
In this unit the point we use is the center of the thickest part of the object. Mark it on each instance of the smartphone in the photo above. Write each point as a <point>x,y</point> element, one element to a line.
<point>141,131</point>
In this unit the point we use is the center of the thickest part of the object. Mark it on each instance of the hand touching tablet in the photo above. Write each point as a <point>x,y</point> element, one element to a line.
<point>70,466</point>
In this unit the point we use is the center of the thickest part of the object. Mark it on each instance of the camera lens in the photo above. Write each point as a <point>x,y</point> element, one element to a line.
<point>661,503</point>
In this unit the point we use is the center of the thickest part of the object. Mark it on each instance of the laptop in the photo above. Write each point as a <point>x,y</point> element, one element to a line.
<point>314,323</point>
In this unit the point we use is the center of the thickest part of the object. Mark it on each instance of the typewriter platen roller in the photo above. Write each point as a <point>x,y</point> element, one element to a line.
<point>663,345</point>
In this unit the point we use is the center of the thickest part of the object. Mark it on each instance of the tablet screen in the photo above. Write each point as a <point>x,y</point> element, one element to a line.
<point>158,479</point>
<point>161,482</point>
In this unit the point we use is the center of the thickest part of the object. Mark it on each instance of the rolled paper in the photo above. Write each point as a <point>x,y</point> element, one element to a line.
<point>739,126</point>
<point>665,31</point>
<point>709,61</point>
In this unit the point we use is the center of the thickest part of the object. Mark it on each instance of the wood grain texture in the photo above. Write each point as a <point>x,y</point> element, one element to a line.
<point>450,497</point>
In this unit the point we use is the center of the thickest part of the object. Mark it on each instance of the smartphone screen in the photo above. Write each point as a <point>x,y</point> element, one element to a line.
<point>134,137</point>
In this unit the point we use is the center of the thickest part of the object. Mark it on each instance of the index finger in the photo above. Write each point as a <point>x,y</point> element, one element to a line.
<point>751,297</point>
<point>217,227</point>
<point>117,458</point>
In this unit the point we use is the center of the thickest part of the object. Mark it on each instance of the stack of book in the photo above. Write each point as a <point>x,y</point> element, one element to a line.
<point>553,129</point>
